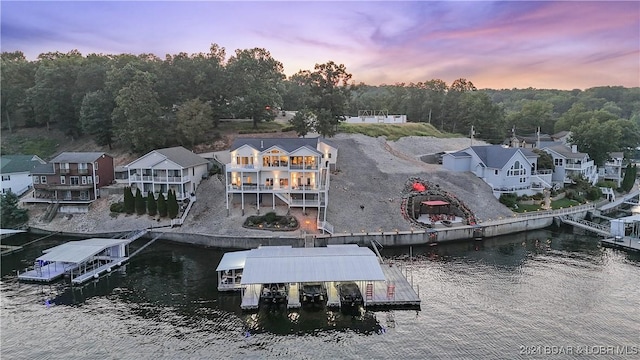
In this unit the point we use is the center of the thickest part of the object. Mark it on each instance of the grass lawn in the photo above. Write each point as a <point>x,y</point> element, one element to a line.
<point>558,204</point>
<point>394,131</point>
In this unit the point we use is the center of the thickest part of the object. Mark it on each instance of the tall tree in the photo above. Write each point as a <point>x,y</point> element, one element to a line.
<point>137,111</point>
<point>16,76</point>
<point>152,205</point>
<point>129,201</point>
<point>194,120</point>
<point>141,206</point>
<point>329,95</point>
<point>255,81</point>
<point>12,214</point>
<point>162,205</point>
<point>172,204</point>
<point>302,122</point>
<point>95,116</point>
<point>453,104</point>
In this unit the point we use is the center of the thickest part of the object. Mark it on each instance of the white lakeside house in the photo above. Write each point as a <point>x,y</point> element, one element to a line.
<point>506,170</point>
<point>292,171</point>
<point>173,168</point>
<point>16,172</point>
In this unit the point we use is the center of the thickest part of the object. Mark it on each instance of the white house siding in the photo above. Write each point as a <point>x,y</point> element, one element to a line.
<point>389,119</point>
<point>17,183</point>
<point>453,163</point>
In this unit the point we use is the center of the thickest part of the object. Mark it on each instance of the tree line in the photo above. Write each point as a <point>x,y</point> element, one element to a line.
<point>143,102</point>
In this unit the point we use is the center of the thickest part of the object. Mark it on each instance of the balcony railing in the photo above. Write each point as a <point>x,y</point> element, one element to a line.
<point>83,171</point>
<point>64,171</point>
<point>254,187</point>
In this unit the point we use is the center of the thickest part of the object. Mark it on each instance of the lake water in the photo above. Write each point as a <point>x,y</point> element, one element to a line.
<point>548,291</point>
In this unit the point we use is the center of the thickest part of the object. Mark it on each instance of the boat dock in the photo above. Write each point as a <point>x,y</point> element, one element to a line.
<point>82,260</point>
<point>381,285</point>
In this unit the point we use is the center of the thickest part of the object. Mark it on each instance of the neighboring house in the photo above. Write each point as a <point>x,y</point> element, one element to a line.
<point>612,168</point>
<point>16,172</point>
<point>562,136</point>
<point>72,178</point>
<point>530,141</point>
<point>173,168</point>
<point>293,171</point>
<point>379,118</point>
<point>569,163</point>
<point>506,170</point>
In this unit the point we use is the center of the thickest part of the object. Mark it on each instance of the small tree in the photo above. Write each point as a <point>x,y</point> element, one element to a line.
<point>141,207</point>
<point>162,205</point>
<point>129,201</point>
<point>152,205</point>
<point>172,204</point>
<point>629,178</point>
<point>12,214</point>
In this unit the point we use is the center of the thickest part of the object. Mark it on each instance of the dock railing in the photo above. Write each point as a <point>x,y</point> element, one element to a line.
<point>542,214</point>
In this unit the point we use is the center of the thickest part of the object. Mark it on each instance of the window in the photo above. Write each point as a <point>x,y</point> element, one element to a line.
<point>495,172</point>
<point>517,169</point>
<point>74,180</point>
<point>329,155</point>
<point>63,180</point>
<point>557,162</point>
<point>43,179</point>
<point>95,165</point>
<point>36,180</point>
<point>97,179</point>
<point>84,180</point>
<point>89,180</point>
<point>84,195</point>
<point>6,177</point>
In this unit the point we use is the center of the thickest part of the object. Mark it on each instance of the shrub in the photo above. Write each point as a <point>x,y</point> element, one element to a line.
<point>509,199</point>
<point>117,207</point>
<point>538,196</point>
<point>162,205</point>
<point>152,205</point>
<point>594,193</point>
<point>141,206</point>
<point>270,217</point>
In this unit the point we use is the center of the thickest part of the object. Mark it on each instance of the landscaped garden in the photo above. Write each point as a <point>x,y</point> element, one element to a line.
<point>272,221</point>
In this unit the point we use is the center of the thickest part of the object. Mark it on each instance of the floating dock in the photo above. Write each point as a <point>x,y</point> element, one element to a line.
<point>380,284</point>
<point>82,260</point>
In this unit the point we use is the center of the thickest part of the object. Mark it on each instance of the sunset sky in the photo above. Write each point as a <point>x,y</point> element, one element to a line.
<point>494,44</point>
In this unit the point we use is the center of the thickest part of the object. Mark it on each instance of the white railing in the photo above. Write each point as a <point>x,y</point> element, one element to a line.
<point>326,226</point>
<point>542,214</point>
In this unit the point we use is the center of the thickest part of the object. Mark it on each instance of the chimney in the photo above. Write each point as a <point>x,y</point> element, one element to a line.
<point>261,144</point>
<point>574,148</point>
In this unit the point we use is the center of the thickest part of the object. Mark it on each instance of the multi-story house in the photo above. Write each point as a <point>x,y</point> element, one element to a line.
<point>506,170</point>
<point>570,163</point>
<point>173,168</point>
<point>612,168</point>
<point>72,177</point>
<point>292,171</point>
<point>16,172</point>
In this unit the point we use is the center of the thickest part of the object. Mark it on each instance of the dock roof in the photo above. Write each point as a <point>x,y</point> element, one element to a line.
<point>79,251</point>
<point>233,260</point>
<point>284,264</point>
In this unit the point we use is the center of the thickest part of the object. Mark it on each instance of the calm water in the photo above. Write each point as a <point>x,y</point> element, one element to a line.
<point>479,300</point>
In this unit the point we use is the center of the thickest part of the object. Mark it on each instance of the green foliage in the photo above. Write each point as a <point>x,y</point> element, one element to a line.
<point>172,204</point>
<point>594,193</point>
<point>608,184</point>
<point>43,147</point>
<point>140,205</point>
<point>509,199</point>
<point>302,122</point>
<point>162,205</point>
<point>630,174</point>
<point>95,116</point>
<point>12,215</point>
<point>117,207</point>
<point>194,120</point>
<point>270,217</point>
<point>545,161</point>
<point>129,201</point>
<point>152,205</point>
<point>392,131</point>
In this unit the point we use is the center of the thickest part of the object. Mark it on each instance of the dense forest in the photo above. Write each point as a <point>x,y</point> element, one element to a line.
<point>143,102</point>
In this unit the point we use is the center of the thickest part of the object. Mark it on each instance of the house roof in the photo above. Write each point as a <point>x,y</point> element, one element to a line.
<point>497,156</point>
<point>182,156</point>
<point>567,152</point>
<point>79,251</point>
<point>18,163</point>
<point>43,169</point>
<point>233,260</point>
<point>284,264</point>
<point>77,157</point>
<point>286,144</point>
<point>616,155</point>
<point>560,134</point>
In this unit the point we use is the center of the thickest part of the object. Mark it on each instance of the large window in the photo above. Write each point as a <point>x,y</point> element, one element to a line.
<point>517,169</point>
<point>6,177</point>
<point>557,162</point>
<point>74,180</point>
<point>63,180</point>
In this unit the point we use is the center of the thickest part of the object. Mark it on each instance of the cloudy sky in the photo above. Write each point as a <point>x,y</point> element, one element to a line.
<point>494,44</point>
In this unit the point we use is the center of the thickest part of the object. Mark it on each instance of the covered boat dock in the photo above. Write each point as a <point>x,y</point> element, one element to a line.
<point>81,259</point>
<point>331,266</point>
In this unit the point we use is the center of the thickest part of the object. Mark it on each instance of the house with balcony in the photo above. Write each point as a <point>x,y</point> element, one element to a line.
<point>72,178</point>
<point>505,169</point>
<point>271,171</point>
<point>570,163</point>
<point>16,172</point>
<point>173,168</point>
<point>612,168</point>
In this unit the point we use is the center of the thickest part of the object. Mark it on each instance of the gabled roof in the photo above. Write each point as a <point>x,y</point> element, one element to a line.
<point>496,156</point>
<point>566,151</point>
<point>287,144</point>
<point>78,157</point>
<point>18,163</point>
<point>182,156</point>
<point>560,134</point>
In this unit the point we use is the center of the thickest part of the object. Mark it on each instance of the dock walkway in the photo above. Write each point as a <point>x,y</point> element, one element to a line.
<point>395,292</point>
<point>84,277</point>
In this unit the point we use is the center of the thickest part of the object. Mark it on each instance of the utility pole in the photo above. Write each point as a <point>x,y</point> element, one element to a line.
<point>429,116</point>
<point>473,132</point>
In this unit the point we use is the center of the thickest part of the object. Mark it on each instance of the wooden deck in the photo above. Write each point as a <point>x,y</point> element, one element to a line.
<point>251,297</point>
<point>46,273</point>
<point>626,242</point>
<point>395,292</point>
<point>293,300</point>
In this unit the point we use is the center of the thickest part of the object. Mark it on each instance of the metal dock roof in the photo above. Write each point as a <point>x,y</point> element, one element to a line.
<point>79,251</point>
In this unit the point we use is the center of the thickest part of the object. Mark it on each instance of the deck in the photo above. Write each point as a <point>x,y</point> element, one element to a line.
<point>626,242</point>
<point>251,297</point>
<point>395,292</point>
<point>85,276</point>
<point>293,301</point>
<point>46,273</point>
<point>333,299</point>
